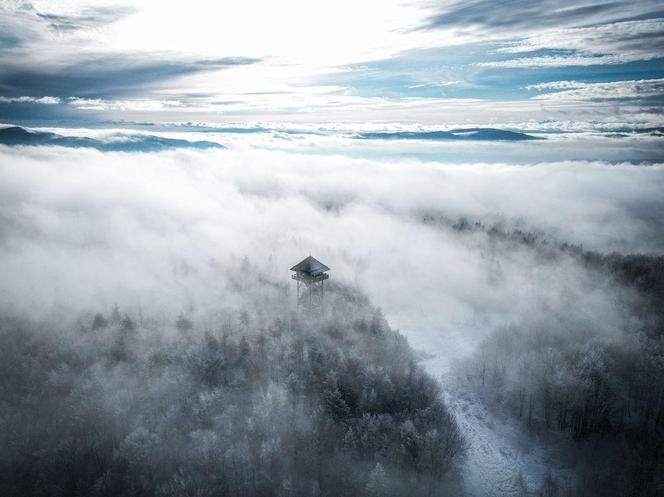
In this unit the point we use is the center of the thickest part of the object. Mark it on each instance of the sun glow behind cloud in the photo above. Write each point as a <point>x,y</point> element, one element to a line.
<point>293,32</point>
<point>343,61</point>
<point>469,165</point>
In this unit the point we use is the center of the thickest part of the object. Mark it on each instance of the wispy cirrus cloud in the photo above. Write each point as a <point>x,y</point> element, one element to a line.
<point>554,34</point>
<point>30,100</point>
<point>613,43</point>
<point>515,16</point>
<point>25,22</point>
<point>131,105</point>
<point>116,60</point>
<point>436,84</point>
<point>613,90</point>
<point>87,18</point>
<point>63,50</point>
<point>105,75</point>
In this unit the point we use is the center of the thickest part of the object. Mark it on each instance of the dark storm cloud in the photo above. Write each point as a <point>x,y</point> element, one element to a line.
<point>515,14</point>
<point>104,76</point>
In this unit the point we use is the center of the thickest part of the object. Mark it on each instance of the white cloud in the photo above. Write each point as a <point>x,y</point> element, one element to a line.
<point>437,84</point>
<point>142,69</point>
<point>83,230</point>
<point>123,105</point>
<point>614,90</point>
<point>557,61</point>
<point>30,100</point>
<point>292,31</point>
<point>612,43</point>
<point>555,85</point>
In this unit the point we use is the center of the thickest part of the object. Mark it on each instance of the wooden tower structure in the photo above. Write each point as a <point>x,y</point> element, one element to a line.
<point>310,275</point>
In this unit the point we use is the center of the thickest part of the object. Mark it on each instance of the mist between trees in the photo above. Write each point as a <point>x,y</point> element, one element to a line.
<point>594,393</point>
<point>203,383</point>
<point>260,404</point>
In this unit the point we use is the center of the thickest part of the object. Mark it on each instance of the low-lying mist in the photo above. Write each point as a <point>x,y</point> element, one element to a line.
<point>192,246</point>
<point>82,229</point>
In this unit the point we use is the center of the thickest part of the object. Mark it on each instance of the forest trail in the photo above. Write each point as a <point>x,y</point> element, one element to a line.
<point>499,461</point>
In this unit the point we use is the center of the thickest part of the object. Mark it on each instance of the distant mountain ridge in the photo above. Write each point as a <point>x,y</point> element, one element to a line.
<point>138,142</point>
<point>480,134</point>
<point>15,135</point>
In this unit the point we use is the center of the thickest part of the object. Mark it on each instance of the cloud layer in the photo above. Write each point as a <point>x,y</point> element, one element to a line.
<point>513,15</point>
<point>82,230</point>
<point>409,61</point>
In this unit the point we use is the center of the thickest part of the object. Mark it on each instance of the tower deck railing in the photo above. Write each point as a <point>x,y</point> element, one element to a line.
<point>307,278</point>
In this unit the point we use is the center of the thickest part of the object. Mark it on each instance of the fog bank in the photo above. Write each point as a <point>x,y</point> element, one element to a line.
<point>174,231</point>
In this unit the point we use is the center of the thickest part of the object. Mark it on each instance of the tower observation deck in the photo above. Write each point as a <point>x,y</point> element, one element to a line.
<point>310,275</point>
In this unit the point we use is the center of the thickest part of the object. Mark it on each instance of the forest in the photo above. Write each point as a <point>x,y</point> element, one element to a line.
<point>262,404</point>
<point>595,393</point>
<point>150,342</point>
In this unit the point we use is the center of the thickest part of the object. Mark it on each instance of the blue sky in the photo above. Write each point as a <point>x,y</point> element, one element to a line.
<point>586,64</point>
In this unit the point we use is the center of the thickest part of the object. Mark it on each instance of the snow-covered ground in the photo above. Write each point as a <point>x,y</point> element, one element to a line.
<point>500,460</point>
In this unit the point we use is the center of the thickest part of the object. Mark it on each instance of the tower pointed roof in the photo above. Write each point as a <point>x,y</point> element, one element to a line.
<point>311,266</point>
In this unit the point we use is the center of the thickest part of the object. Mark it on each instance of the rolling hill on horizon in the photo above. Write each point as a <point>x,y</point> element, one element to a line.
<point>479,134</point>
<point>16,135</point>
